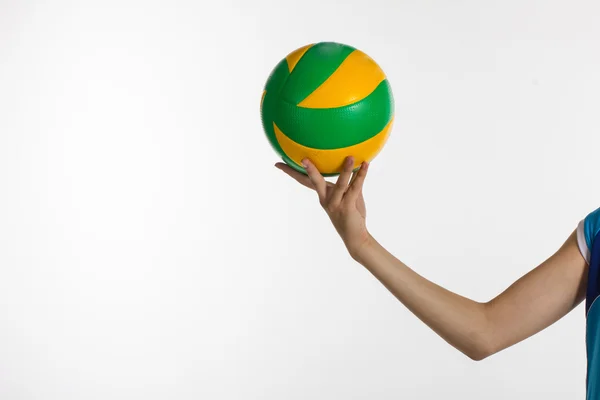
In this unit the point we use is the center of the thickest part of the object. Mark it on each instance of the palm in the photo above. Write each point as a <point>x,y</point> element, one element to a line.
<point>360,201</point>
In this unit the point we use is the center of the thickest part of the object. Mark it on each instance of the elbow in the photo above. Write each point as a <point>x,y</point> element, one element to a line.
<point>481,344</point>
<point>478,354</point>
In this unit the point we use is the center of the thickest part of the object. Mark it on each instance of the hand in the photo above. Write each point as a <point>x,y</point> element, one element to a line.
<point>343,201</point>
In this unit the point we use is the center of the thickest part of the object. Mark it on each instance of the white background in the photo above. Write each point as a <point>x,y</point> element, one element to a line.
<point>150,250</point>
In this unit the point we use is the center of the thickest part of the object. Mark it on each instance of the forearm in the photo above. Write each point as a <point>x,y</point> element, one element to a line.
<point>530,304</point>
<point>460,321</point>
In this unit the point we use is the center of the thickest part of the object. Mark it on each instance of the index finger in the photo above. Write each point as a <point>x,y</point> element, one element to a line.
<point>357,184</point>
<point>319,183</point>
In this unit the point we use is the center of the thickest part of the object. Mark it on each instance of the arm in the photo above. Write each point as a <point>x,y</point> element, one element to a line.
<point>532,303</point>
<point>529,305</point>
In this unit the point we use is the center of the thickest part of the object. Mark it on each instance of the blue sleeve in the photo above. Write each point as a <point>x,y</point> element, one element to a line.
<point>586,233</point>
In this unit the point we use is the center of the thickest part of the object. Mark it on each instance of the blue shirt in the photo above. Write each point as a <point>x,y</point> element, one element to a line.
<point>589,245</point>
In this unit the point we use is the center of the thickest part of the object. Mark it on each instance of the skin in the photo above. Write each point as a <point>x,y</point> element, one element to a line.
<point>532,303</point>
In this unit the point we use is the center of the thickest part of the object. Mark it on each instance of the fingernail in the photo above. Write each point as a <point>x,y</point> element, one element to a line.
<point>305,163</point>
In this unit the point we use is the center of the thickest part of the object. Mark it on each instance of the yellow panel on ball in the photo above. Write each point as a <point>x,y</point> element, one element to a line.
<point>328,161</point>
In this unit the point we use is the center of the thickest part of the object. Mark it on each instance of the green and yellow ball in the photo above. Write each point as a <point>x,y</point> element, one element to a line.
<point>327,101</point>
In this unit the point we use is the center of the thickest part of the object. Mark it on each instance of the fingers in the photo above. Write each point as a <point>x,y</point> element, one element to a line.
<point>319,183</point>
<point>340,190</point>
<point>357,184</point>
<point>299,176</point>
<point>342,182</point>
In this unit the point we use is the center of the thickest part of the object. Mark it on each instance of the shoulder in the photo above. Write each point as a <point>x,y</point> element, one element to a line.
<point>586,232</point>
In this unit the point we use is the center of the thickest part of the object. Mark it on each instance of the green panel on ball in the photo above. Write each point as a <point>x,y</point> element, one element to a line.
<point>333,128</point>
<point>273,87</point>
<point>315,66</point>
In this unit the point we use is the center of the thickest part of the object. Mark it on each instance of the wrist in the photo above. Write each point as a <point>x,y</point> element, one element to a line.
<point>358,251</point>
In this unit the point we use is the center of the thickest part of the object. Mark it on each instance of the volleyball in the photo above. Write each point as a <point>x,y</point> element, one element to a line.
<point>326,101</point>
